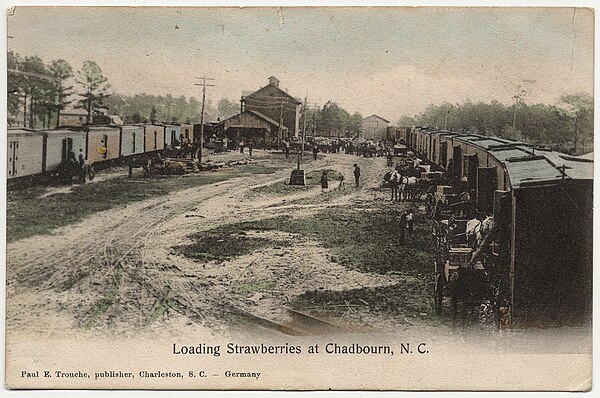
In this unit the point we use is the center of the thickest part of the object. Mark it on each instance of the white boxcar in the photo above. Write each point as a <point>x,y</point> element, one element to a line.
<point>172,135</point>
<point>60,142</point>
<point>132,140</point>
<point>25,153</point>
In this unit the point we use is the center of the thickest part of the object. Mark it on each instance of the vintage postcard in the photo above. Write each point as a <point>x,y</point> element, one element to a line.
<point>302,198</point>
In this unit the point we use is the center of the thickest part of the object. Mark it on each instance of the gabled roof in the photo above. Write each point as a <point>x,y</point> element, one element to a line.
<point>379,117</point>
<point>283,93</point>
<point>257,114</point>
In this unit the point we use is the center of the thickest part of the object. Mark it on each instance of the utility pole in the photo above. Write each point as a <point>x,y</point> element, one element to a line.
<point>304,126</point>
<point>315,124</point>
<point>281,120</point>
<point>204,85</point>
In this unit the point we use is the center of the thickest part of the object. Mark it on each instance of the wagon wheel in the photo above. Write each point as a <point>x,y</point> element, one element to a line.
<point>91,173</point>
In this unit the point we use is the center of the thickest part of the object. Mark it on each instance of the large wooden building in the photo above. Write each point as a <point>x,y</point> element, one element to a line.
<point>277,105</point>
<point>374,128</point>
<point>252,126</point>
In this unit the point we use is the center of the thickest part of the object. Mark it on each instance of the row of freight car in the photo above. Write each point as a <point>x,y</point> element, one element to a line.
<point>541,201</point>
<point>35,153</point>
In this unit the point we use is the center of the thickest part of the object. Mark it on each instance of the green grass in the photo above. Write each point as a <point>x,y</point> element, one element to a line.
<point>209,246</point>
<point>29,215</point>
<point>365,239</point>
<point>99,308</point>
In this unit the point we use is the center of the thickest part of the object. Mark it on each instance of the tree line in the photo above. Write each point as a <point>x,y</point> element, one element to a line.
<point>567,126</point>
<point>332,120</point>
<point>39,92</point>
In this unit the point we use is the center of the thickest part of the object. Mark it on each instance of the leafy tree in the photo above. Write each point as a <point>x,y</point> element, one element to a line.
<point>580,109</point>
<point>226,108</point>
<point>94,88</point>
<point>61,71</point>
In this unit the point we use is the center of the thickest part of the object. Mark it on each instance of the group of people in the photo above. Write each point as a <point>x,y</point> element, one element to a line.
<point>325,182</point>
<point>73,167</point>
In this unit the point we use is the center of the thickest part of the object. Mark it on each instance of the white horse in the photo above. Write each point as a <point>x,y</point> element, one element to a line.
<point>477,230</point>
<point>407,187</point>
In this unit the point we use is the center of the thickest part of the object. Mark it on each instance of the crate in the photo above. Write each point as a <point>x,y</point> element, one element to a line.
<point>443,190</point>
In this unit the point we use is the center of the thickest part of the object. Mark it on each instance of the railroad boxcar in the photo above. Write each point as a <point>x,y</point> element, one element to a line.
<point>132,140</point>
<point>546,240</point>
<point>187,131</point>
<point>154,138</point>
<point>541,201</point>
<point>60,142</point>
<point>172,135</point>
<point>25,156</point>
<point>104,144</point>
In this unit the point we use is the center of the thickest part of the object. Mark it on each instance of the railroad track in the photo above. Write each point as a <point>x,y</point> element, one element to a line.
<point>299,323</point>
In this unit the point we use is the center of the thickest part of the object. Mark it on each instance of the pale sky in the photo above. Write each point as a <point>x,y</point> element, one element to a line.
<point>385,61</point>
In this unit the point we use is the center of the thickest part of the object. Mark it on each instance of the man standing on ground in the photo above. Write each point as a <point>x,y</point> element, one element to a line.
<point>356,174</point>
<point>410,219</point>
<point>403,226</point>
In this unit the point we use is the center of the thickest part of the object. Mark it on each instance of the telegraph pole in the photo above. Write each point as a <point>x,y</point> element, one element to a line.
<point>204,85</point>
<point>304,127</point>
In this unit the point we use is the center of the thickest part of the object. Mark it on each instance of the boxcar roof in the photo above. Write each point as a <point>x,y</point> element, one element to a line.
<point>23,132</point>
<point>64,132</point>
<point>529,165</point>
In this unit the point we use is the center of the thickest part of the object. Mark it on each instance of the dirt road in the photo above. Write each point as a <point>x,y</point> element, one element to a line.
<point>116,271</point>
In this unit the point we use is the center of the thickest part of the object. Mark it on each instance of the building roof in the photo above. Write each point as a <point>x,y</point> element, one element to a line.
<point>257,114</point>
<point>283,93</point>
<point>379,117</point>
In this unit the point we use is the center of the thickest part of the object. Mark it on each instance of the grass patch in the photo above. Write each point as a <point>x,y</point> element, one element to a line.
<point>209,246</point>
<point>361,238</point>
<point>99,308</point>
<point>407,299</point>
<point>253,286</point>
<point>29,215</point>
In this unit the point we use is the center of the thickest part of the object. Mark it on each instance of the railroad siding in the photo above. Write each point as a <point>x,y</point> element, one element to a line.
<point>54,146</point>
<point>96,143</point>
<point>28,146</point>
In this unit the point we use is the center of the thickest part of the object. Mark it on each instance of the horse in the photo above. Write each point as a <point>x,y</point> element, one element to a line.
<point>408,187</point>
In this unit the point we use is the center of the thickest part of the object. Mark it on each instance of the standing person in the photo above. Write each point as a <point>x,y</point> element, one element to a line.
<point>402,225</point>
<point>242,146</point>
<point>315,151</point>
<point>250,147</point>
<point>324,184</point>
<point>395,185</point>
<point>287,149</point>
<point>356,174</point>
<point>410,220</point>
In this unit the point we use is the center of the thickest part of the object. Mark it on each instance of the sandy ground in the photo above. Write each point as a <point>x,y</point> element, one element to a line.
<point>115,273</point>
